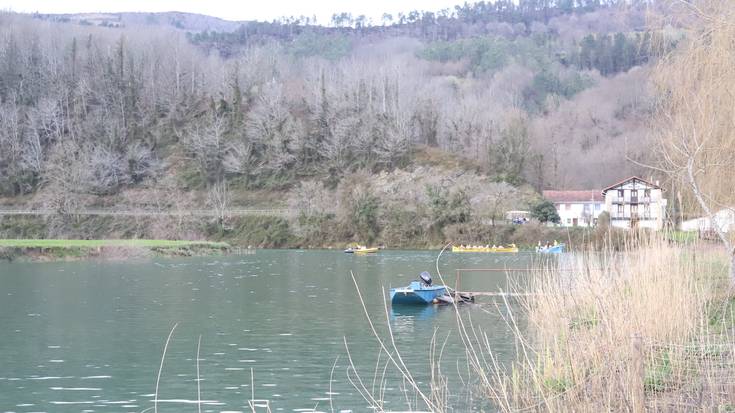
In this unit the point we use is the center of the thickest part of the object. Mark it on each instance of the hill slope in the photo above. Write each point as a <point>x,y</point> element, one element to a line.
<point>90,110</point>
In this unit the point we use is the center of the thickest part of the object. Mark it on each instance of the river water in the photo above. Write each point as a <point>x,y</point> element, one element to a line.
<point>89,336</point>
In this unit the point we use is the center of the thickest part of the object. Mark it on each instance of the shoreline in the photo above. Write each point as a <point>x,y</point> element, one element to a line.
<point>122,252</point>
<point>49,250</point>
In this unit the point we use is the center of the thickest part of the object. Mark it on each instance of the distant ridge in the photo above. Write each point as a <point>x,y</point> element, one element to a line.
<point>180,20</point>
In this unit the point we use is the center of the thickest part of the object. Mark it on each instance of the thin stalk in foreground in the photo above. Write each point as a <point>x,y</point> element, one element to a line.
<point>160,368</point>
<point>199,387</point>
<point>398,364</point>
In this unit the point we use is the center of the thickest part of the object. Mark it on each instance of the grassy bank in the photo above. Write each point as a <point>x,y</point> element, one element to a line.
<point>53,249</point>
<point>402,232</point>
<point>86,243</point>
<point>648,328</point>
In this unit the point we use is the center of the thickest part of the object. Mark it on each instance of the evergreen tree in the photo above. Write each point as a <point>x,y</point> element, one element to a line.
<point>588,45</point>
<point>545,211</point>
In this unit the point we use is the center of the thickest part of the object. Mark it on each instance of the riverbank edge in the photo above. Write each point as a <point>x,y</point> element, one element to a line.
<point>109,252</point>
<point>273,232</point>
<point>51,254</point>
<point>249,233</point>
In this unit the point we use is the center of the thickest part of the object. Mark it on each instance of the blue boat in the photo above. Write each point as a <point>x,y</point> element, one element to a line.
<point>420,292</point>
<point>552,249</point>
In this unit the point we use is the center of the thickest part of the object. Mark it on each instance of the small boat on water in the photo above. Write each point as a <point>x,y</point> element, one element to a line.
<point>486,248</point>
<point>550,249</point>
<point>361,249</point>
<point>421,292</point>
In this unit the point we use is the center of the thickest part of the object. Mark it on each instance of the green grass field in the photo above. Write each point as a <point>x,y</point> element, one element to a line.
<point>94,243</point>
<point>682,236</point>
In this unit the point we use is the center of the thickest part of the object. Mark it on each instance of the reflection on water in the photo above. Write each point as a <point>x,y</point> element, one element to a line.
<point>404,318</point>
<point>88,336</point>
<point>415,312</point>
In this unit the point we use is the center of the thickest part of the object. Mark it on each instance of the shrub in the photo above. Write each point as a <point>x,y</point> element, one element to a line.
<point>317,229</point>
<point>265,232</point>
<point>365,213</point>
<point>448,208</point>
<point>545,211</point>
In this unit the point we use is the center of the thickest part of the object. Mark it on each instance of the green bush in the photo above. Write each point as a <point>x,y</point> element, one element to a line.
<point>23,226</point>
<point>317,230</point>
<point>448,207</point>
<point>365,217</point>
<point>403,228</point>
<point>264,232</point>
<point>545,211</point>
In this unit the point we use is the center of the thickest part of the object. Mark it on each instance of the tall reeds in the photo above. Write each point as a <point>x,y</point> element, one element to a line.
<point>621,331</point>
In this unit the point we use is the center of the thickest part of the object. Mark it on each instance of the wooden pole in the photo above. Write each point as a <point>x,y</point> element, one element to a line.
<point>637,375</point>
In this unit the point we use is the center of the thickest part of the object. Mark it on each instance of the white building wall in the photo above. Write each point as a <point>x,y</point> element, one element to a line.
<point>585,213</point>
<point>651,210</point>
<point>724,220</point>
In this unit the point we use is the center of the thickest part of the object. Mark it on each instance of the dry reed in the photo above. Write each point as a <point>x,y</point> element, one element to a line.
<point>625,331</point>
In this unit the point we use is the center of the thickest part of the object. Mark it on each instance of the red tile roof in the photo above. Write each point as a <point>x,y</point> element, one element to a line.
<point>558,197</point>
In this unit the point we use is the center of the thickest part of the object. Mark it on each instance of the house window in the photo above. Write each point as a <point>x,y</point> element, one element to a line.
<point>620,193</point>
<point>634,193</point>
<point>620,210</point>
<point>647,210</point>
<point>598,207</point>
<point>568,206</point>
<point>569,221</point>
<point>647,193</point>
<point>634,209</point>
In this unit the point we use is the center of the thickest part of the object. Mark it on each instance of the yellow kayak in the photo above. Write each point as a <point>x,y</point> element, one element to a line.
<point>366,250</point>
<point>510,248</point>
<point>361,250</point>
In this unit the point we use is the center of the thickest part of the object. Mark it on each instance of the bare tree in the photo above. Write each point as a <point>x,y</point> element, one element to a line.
<point>311,198</point>
<point>394,145</point>
<point>218,198</point>
<point>104,170</point>
<point>205,143</point>
<point>493,200</point>
<point>273,131</point>
<point>142,162</point>
<point>695,137</point>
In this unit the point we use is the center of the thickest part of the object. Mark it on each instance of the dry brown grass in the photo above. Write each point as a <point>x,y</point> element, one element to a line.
<point>644,328</point>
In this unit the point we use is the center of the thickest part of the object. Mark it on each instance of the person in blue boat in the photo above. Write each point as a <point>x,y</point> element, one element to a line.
<point>555,248</point>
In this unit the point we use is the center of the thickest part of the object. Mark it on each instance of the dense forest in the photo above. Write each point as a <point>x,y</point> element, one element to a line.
<point>552,94</point>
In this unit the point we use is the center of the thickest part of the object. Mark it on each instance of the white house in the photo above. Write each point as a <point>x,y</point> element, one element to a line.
<point>724,220</point>
<point>635,203</point>
<point>577,208</point>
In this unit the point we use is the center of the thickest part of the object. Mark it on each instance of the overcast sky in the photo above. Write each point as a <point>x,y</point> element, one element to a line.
<point>234,9</point>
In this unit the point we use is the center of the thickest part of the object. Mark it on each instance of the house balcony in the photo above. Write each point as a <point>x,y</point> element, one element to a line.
<point>631,216</point>
<point>632,200</point>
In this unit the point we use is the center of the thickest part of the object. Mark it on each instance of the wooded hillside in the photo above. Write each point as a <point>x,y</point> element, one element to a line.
<point>553,94</point>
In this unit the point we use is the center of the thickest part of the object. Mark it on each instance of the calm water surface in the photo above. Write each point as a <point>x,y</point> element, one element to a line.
<point>88,336</point>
